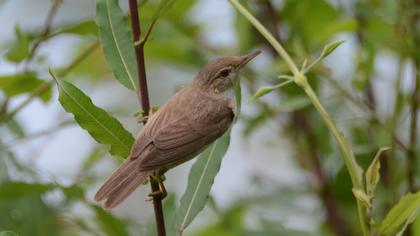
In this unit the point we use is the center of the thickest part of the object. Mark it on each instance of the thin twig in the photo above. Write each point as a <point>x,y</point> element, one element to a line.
<point>46,85</point>
<point>39,134</point>
<point>143,92</point>
<point>143,97</point>
<point>47,25</point>
<point>147,34</point>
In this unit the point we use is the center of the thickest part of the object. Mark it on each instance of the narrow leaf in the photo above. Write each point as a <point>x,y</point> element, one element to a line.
<point>118,47</point>
<point>407,208</point>
<point>410,219</point>
<point>163,7</point>
<point>19,50</point>
<point>13,190</point>
<point>203,173</point>
<point>17,84</point>
<point>328,49</point>
<point>265,90</point>
<point>101,126</point>
<point>372,173</point>
<point>87,27</point>
<point>200,181</point>
<point>8,233</point>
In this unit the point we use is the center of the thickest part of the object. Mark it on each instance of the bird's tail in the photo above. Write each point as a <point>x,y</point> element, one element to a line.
<point>122,183</point>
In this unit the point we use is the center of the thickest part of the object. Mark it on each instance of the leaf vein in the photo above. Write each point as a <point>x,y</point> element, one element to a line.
<point>199,183</point>
<point>94,118</point>
<point>117,44</point>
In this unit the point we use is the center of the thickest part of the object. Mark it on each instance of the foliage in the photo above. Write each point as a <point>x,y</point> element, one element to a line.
<point>103,127</point>
<point>345,80</point>
<point>116,42</point>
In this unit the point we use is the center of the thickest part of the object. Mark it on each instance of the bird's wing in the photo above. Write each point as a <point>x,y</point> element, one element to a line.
<point>184,126</point>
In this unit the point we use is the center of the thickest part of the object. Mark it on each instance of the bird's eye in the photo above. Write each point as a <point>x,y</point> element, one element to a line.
<point>224,73</point>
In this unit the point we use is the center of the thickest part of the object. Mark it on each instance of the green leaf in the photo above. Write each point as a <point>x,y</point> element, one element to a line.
<point>118,47</point>
<point>74,192</point>
<point>101,126</point>
<point>328,49</point>
<point>362,196</point>
<point>372,173</point>
<point>163,8</point>
<point>81,28</point>
<point>13,190</point>
<point>407,208</point>
<point>202,174</point>
<point>8,233</point>
<point>18,84</point>
<point>200,181</point>
<point>265,90</point>
<point>19,50</point>
<point>111,225</point>
<point>409,220</point>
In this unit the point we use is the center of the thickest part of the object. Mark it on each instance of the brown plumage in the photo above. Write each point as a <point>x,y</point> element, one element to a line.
<point>192,119</point>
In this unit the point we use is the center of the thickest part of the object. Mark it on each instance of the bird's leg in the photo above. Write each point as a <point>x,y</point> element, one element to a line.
<point>161,193</point>
<point>142,118</point>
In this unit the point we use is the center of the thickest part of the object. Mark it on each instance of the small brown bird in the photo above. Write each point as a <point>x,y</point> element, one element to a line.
<point>192,119</point>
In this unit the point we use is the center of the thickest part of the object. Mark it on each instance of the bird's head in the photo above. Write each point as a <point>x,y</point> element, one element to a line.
<point>220,74</point>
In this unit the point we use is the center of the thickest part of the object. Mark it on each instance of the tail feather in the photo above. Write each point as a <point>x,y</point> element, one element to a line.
<point>122,183</point>
<point>119,175</point>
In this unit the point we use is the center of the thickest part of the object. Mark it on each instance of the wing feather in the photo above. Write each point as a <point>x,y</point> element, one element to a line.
<point>181,129</point>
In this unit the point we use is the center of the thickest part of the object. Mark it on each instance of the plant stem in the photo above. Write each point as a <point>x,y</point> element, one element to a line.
<point>143,96</point>
<point>142,90</point>
<point>300,79</point>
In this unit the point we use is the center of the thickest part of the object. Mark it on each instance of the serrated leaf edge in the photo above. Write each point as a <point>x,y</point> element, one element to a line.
<point>61,87</point>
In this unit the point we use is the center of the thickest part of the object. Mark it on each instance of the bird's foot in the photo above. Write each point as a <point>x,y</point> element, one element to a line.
<point>156,194</point>
<point>161,193</point>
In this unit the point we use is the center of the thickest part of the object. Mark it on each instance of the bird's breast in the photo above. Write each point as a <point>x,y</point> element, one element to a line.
<point>230,96</point>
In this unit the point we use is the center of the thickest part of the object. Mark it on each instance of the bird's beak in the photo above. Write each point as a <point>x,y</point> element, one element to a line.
<point>247,58</point>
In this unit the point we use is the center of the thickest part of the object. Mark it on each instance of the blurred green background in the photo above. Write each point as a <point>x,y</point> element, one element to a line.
<point>283,173</point>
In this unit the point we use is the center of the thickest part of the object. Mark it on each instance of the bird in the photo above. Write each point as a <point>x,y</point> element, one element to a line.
<point>189,121</point>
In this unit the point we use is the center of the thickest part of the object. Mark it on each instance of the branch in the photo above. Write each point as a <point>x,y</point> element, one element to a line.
<point>142,91</point>
<point>46,85</point>
<point>300,79</point>
<point>143,97</point>
<point>47,25</point>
